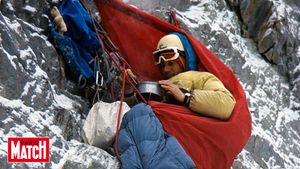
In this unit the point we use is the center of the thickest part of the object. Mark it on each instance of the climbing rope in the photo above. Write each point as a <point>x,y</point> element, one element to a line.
<point>119,112</point>
<point>111,50</point>
<point>173,18</point>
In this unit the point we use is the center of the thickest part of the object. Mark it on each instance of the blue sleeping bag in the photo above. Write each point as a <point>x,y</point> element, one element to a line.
<point>80,28</point>
<point>144,144</point>
<point>80,44</point>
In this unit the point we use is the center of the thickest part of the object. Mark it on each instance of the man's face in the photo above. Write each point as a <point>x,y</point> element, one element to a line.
<point>170,68</point>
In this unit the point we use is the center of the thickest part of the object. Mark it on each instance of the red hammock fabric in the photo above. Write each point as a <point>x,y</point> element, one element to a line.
<point>212,144</point>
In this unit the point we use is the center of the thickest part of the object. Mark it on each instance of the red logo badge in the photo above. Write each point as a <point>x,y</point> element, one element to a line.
<point>31,149</point>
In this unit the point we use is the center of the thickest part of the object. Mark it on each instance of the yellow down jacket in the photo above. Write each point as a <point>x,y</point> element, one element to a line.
<point>209,95</point>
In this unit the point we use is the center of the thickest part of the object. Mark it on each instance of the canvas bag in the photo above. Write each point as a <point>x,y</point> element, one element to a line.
<point>99,128</point>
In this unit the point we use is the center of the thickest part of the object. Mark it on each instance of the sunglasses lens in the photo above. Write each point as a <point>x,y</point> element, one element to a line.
<point>166,56</point>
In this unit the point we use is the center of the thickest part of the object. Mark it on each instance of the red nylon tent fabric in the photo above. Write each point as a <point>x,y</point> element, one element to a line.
<point>212,144</point>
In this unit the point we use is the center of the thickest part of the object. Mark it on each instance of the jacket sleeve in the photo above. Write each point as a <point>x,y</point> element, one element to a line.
<point>209,95</point>
<point>211,98</point>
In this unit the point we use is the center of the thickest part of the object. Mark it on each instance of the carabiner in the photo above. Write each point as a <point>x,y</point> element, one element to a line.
<point>98,73</point>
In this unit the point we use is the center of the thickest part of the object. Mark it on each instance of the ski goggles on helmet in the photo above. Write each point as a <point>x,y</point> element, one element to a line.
<point>167,54</point>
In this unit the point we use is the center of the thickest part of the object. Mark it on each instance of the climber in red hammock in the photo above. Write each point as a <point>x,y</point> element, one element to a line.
<point>202,92</point>
<point>142,138</point>
<point>209,142</point>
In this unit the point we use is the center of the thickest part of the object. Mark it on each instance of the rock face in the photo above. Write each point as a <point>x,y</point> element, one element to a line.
<point>257,39</point>
<point>34,99</point>
<point>274,27</point>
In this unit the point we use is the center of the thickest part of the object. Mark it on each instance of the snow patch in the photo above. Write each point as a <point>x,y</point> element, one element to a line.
<point>29,56</point>
<point>3,143</point>
<point>297,69</point>
<point>63,101</point>
<point>45,38</point>
<point>30,9</point>
<point>13,25</point>
<point>10,7</point>
<point>14,104</point>
<point>286,116</point>
<point>29,134</point>
<point>293,103</point>
<point>56,130</point>
<point>247,160</point>
<point>10,58</point>
<point>40,73</point>
<point>17,131</point>
<point>7,120</point>
<point>26,54</point>
<point>37,29</point>
<point>26,88</point>
<point>36,120</point>
<point>280,9</point>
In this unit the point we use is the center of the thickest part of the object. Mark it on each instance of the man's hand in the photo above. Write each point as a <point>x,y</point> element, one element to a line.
<point>132,78</point>
<point>130,74</point>
<point>172,89</point>
<point>60,23</point>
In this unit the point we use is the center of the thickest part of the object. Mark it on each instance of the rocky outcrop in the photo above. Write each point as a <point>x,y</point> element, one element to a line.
<point>35,100</point>
<point>274,27</point>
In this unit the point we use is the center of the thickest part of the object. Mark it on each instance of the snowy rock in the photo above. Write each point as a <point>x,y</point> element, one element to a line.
<point>81,156</point>
<point>34,98</point>
<point>274,27</point>
<point>273,96</point>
